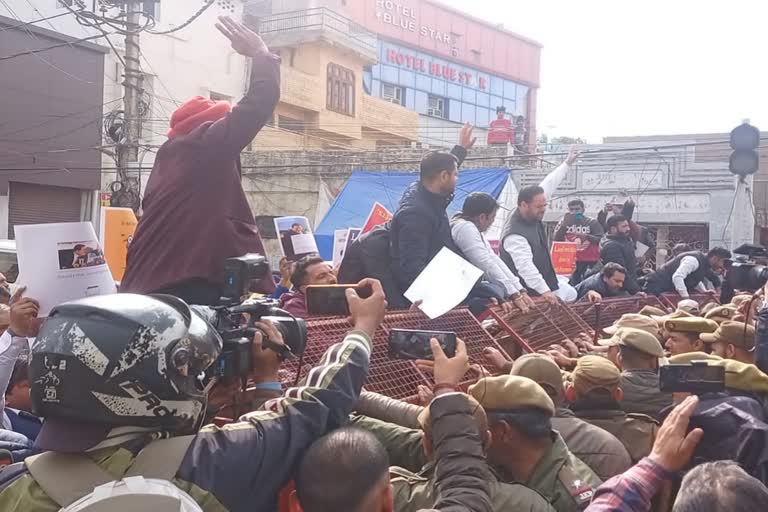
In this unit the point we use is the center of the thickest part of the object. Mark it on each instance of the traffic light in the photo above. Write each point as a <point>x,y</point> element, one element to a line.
<point>745,139</point>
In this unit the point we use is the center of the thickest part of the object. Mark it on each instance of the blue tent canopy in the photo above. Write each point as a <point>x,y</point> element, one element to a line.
<point>364,188</point>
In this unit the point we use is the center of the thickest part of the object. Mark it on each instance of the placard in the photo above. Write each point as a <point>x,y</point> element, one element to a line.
<point>379,215</point>
<point>117,228</point>
<point>564,257</point>
<point>296,238</point>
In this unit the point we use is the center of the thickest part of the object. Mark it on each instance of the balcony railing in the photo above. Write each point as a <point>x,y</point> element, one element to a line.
<point>321,22</point>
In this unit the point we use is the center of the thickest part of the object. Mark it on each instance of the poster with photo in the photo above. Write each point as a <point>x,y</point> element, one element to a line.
<point>296,238</point>
<point>61,262</point>
<point>339,245</point>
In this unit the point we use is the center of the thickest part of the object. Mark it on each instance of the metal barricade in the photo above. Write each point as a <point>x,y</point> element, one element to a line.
<point>671,299</point>
<point>393,378</point>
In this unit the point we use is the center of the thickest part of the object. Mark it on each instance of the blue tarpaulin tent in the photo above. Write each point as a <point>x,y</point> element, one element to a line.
<point>364,188</point>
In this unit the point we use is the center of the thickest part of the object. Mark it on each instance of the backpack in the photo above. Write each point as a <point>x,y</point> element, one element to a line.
<point>77,484</point>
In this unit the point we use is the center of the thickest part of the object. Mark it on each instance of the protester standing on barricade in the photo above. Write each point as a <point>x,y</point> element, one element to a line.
<point>586,232</point>
<point>195,213</point>
<point>524,244</point>
<point>618,247</point>
<point>467,228</point>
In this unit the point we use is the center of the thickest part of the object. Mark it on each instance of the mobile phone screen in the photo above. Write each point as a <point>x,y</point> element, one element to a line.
<point>411,345</point>
<point>692,378</point>
<point>331,300</point>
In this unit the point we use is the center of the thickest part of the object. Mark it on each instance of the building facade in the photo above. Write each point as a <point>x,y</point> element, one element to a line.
<point>411,71</point>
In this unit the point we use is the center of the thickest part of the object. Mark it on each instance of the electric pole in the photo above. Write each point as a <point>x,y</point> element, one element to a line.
<point>128,149</point>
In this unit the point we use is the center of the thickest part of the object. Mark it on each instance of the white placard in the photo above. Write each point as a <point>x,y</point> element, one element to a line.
<point>640,249</point>
<point>61,262</point>
<point>445,282</point>
<point>339,244</point>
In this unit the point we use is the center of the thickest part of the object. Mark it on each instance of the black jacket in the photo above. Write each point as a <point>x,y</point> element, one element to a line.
<point>621,249</point>
<point>596,283</point>
<point>661,280</point>
<point>419,229</point>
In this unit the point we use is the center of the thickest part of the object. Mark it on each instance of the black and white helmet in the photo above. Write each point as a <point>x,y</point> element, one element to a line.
<point>123,360</point>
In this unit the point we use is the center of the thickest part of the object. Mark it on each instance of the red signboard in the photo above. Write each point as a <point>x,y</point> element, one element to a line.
<point>434,68</point>
<point>379,215</point>
<point>564,257</point>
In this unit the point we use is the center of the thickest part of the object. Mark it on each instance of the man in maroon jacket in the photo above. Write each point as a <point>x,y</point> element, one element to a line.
<point>195,211</point>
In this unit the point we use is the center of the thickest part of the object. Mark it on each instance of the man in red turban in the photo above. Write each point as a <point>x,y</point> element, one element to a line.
<point>196,214</point>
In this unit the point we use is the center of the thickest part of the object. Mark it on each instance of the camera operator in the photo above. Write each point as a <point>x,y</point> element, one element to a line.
<point>94,423</point>
<point>196,214</point>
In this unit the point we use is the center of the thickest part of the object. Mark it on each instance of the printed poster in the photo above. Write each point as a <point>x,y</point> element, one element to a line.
<point>61,262</point>
<point>117,228</point>
<point>296,238</point>
<point>352,235</point>
<point>339,246</point>
<point>564,257</point>
<point>379,215</point>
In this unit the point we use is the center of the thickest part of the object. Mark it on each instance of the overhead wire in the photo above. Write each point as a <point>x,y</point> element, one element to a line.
<point>208,4</point>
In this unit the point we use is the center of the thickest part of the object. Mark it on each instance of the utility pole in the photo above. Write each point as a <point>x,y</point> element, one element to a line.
<point>128,149</point>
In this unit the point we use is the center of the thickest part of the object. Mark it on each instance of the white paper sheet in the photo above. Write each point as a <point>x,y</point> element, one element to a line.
<point>445,282</point>
<point>61,262</point>
<point>640,249</point>
<point>339,244</point>
<point>303,244</point>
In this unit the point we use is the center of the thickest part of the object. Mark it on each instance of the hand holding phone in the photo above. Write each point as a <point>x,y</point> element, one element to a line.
<point>697,377</point>
<point>331,299</point>
<point>414,345</point>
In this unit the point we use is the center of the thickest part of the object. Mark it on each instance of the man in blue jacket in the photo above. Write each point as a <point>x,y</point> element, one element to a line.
<point>420,226</point>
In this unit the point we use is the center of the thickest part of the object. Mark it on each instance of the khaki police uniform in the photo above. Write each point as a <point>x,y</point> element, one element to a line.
<point>721,314</point>
<point>740,300</point>
<point>598,449</point>
<point>650,311</point>
<point>563,479</point>
<point>640,386</point>
<point>635,321</point>
<point>737,334</point>
<point>596,374</point>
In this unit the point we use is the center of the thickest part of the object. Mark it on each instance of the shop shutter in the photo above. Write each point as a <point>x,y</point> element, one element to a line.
<point>40,204</point>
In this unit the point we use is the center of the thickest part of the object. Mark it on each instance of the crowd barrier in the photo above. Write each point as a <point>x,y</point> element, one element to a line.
<point>514,334</point>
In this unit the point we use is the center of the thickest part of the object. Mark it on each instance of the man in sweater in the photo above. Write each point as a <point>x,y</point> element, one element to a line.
<point>525,248</point>
<point>586,232</point>
<point>618,247</point>
<point>609,282</point>
<point>196,214</point>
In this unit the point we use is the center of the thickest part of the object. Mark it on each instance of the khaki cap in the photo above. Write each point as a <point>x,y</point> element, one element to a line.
<point>652,311</point>
<point>738,375</point>
<point>679,313</point>
<point>736,333</point>
<point>689,306</point>
<point>640,340</point>
<point>477,411</point>
<point>721,313</point>
<point>510,393</point>
<point>635,321</point>
<point>690,324</point>
<point>693,356</point>
<point>593,372</point>
<point>738,300</point>
<point>541,369</point>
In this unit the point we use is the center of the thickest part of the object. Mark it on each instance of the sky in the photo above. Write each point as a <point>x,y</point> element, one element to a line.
<point>611,68</point>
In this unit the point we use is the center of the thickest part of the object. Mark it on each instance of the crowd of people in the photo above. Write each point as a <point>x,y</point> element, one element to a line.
<point>114,402</point>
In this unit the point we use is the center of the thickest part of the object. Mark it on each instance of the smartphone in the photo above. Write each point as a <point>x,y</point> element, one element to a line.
<point>697,377</point>
<point>408,344</point>
<point>331,299</point>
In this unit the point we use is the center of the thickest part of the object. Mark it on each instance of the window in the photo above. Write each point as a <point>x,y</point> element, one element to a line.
<point>437,107</point>
<point>340,96</point>
<point>393,94</point>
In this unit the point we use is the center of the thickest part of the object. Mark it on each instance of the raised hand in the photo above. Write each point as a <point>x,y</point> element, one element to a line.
<point>244,40</point>
<point>466,140</point>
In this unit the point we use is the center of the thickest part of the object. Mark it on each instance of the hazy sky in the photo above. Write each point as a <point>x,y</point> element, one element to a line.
<point>642,68</point>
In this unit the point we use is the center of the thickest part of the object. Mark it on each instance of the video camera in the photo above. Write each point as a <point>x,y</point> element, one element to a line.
<point>746,271</point>
<point>235,319</point>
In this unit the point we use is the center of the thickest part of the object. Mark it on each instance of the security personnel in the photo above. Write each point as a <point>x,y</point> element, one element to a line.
<point>635,321</point>
<point>721,314</point>
<point>638,358</point>
<point>526,449</point>
<point>595,397</point>
<point>410,454</point>
<point>598,449</point>
<point>732,340</point>
<point>652,311</point>
<point>684,334</point>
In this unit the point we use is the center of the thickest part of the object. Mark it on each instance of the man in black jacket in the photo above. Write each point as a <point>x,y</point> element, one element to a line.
<point>609,282</point>
<point>617,247</point>
<point>420,226</point>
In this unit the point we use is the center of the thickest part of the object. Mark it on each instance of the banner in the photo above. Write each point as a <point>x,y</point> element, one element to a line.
<point>116,232</point>
<point>379,215</point>
<point>564,257</point>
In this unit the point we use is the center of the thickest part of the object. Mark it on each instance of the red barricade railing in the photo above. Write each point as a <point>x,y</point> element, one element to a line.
<point>394,378</point>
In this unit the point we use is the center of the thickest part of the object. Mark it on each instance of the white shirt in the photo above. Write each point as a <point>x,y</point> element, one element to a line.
<point>475,248</point>
<point>519,249</point>
<point>10,349</point>
<point>688,265</point>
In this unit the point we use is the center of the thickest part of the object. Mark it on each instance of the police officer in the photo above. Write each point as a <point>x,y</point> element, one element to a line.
<point>638,359</point>
<point>525,448</point>
<point>732,340</point>
<point>650,311</point>
<point>721,314</point>
<point>597,448</point>
<point>595,395</point>
<point>632,320</point>
<point>684,334</point>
